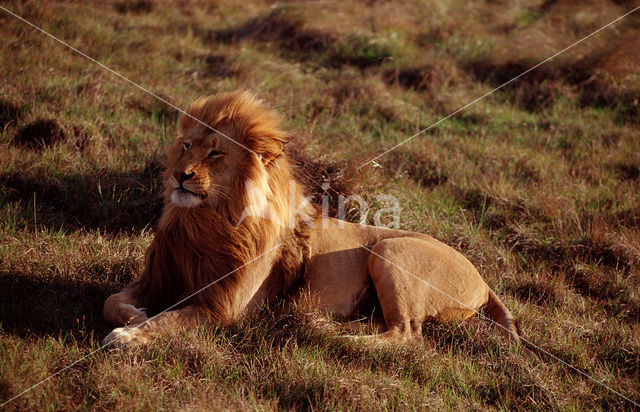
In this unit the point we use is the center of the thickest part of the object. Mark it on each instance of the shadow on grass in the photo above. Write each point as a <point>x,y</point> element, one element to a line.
<point>277,25</point>
<point>542,87</point>
<point>110,202</point>
<point>45,307</point>
<point>283,26</point>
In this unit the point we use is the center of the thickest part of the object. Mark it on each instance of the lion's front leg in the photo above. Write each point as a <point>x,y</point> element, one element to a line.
<point>144,332</point>
<point>123,308</point>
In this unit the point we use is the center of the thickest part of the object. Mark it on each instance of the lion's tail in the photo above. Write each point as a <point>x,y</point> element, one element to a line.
<point>498,312</point>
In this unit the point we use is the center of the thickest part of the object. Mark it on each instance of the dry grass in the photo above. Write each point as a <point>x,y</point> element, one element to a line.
<point>539,185</point>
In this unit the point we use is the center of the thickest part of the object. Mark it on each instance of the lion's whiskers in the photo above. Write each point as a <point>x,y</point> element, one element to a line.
<point>223,191</point>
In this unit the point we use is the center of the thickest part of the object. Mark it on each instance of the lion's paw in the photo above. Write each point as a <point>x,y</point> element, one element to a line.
<point>125,336</point>
<point>137,315</point>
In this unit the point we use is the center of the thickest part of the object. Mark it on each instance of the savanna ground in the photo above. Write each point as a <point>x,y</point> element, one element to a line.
<point>538,185</point>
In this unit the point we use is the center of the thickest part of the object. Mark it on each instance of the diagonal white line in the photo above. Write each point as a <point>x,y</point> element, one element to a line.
<point>496,323</point>
<point>129,81</point>
<point>496,89</point>
<point>136,326</point>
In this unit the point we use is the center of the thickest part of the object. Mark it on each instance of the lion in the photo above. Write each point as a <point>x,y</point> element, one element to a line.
<point>237,232</point>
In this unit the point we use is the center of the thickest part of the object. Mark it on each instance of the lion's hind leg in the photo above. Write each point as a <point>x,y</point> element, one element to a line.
<point>416,280</point>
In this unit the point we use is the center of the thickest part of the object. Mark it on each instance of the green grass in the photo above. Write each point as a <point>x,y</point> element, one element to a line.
<point>538,185</point>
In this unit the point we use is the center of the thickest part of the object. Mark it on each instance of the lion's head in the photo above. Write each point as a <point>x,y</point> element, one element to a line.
<point>233,167</point>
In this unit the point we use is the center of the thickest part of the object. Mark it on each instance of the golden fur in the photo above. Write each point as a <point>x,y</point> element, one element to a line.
<point>236,233</point>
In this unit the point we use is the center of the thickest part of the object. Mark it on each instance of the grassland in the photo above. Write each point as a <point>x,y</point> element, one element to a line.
<point>538,185</point>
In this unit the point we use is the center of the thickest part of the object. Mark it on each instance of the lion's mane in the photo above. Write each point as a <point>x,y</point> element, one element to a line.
<point>195,247</point>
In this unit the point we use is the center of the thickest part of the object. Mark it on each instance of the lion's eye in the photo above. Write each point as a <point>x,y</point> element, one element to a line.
<point>215,153</point>
<point>186,145</point>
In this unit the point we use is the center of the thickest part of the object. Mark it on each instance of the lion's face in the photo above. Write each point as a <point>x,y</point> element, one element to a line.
<point>201,169</point>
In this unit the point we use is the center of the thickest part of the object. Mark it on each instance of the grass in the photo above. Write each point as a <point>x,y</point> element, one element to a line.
<point>538,185</point>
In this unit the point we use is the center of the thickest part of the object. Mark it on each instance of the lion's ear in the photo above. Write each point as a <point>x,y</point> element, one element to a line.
<point>272,154</point>
<point>269,147</point>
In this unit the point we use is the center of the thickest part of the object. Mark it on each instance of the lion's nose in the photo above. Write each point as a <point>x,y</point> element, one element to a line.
<point>182,176</point>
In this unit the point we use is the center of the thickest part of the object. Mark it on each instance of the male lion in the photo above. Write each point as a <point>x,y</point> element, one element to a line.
<point>228,231</point>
